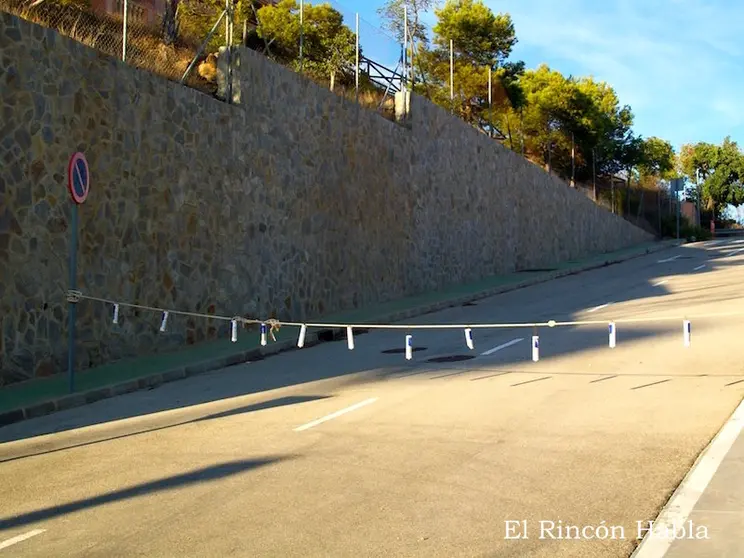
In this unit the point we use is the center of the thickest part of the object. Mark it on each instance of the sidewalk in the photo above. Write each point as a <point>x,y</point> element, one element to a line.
<point>708,507</point>
<point>47,395</point>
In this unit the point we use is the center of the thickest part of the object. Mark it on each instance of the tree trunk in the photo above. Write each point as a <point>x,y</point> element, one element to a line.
<point>170,22</point>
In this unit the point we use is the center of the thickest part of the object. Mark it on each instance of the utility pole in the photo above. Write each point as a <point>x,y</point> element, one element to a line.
<point>699,196</point>
<point>677,182</point>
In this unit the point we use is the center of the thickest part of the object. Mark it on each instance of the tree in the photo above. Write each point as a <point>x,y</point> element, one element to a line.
<point>720,169</point>
<point>329,46</point>
<point>393,15</point>
<point>482,40</point>
<point>479,35</point>
<point>657,158</point>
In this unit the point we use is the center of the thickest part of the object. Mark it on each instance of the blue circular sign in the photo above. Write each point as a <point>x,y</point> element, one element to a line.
<point>78,178</point>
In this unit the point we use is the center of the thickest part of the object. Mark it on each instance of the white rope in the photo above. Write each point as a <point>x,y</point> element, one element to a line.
<point>76,296</point>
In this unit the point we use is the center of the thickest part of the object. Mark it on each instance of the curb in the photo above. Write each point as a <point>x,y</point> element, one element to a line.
<point>154,380</point>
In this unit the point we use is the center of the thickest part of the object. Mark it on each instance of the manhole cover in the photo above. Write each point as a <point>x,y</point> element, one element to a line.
<point>401,350</point>
<point>451,358</point>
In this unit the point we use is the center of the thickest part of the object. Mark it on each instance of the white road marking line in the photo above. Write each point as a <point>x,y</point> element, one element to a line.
<point>21,538</point>
<point>599,307</point>
<point>699,267</point>
<point>503,346</point>
<point>681,504</point>
<point>735,252</point>
<point>670,259</point>
<point>336,414</point>
<point>659,283</point>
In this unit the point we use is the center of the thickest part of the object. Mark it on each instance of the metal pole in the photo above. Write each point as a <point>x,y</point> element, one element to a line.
<point>612,188</point>
<point>490,100</point>
<point>356,66</point>
<point>676,195</point>
<point>697,188</point>
<point>72,305</point>
<point>228,45</point>
<point>201,48</point>
<point>594,172</point>
<point>124,32</point>
<point>573,161</point>
<point>302,30</point>
<point>658,198</point>
<point>405,43</point>
<point>452,73</point>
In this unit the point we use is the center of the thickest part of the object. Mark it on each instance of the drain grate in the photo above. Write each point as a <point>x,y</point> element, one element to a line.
<point>402,350</point>
<point>451,358</point>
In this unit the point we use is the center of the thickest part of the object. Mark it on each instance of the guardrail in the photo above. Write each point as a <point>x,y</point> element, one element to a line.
<point>729,231</point>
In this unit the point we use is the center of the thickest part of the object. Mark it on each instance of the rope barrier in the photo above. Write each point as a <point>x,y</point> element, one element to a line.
<point>270,326</point>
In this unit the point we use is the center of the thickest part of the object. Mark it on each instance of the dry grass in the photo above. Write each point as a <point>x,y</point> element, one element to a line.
<point>145,49</point>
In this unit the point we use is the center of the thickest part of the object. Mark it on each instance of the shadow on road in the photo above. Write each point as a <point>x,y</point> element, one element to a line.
<point>207,474</point>
<point>569,298</point>
<point>270,404</point>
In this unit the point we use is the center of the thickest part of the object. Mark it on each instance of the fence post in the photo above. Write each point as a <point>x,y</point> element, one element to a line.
<point>490,108</point>
<point>124,32</point>
<point>356,65</point>
<point>658,202</point>
<point>302,30</point>
<point>594,173</point>
<point>452,75</point>
<point>405,44</point>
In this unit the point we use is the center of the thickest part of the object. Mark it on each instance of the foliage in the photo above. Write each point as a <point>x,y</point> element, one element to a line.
<point>718,169</point>
<point>479,36</point>
<point>329,46</point>
<point>687,230</point>
<point>393,14</point>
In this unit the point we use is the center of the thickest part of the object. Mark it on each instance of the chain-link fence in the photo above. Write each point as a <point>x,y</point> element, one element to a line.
<point>163,40</point>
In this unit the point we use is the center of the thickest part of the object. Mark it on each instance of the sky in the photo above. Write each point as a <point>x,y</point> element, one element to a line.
<point>677,63</point>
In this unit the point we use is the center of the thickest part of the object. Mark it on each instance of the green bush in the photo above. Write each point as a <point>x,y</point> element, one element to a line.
<point>687,230</point>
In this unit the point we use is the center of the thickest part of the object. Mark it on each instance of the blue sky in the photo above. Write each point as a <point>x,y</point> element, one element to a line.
<point>678,63</point>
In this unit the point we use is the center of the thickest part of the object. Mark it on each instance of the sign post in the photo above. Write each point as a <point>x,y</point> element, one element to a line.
<point>78,184</point>
<point>677,184</point>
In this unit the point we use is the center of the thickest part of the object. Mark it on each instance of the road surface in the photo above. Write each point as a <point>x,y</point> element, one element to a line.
<point>330,452</point>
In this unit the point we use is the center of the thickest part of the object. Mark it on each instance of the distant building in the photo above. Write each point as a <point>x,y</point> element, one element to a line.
<point>149,12</point>
<point>688,210</point>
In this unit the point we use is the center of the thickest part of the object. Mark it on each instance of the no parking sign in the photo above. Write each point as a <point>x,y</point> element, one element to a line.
<point>78,178</point>
<point>78,184</point>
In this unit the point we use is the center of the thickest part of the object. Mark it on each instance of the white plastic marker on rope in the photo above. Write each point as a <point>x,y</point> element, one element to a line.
<point>301,338</point>
<point>350,337</point>
<point>164,322</point>
<point>263,334</point>
<point>234,331</point>
<point>535,348</point>
<point>469,338</point>
<point>116,313</point>
<point>613,335</point>
<point>409,347</point>
<point>687,332</point>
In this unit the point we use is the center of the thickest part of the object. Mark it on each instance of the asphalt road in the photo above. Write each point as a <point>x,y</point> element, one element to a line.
<point>330,452</point>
